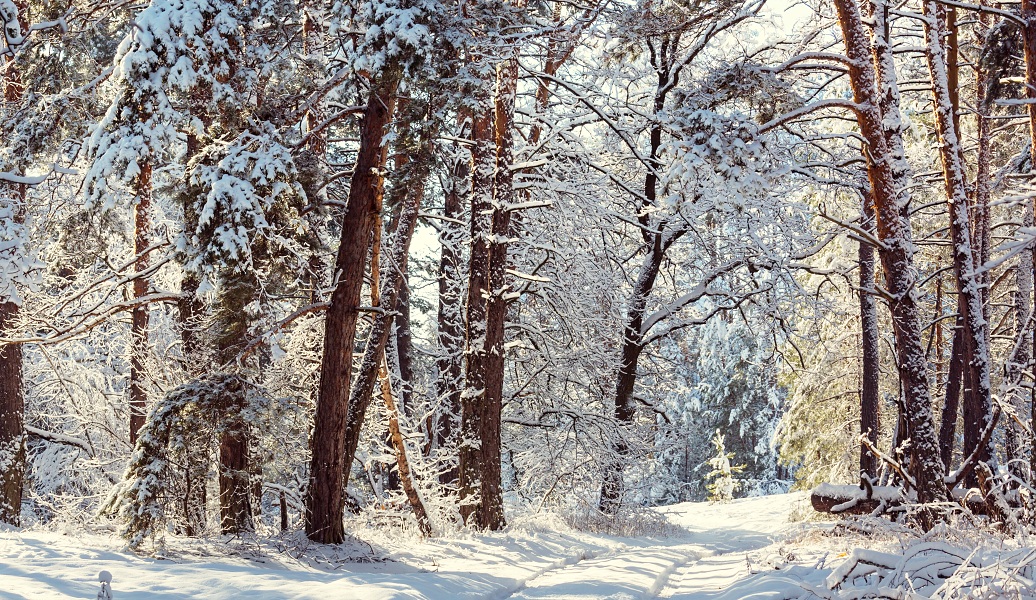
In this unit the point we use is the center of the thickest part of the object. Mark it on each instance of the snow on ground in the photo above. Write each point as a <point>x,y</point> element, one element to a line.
<point>729,550</point>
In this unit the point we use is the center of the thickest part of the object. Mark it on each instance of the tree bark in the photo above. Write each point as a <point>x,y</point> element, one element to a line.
<point>476,346</point>
<point>978,403</point>
<point>325,498</point>
<point>1028,15</point>
<point>235,501</point>
<point>12,395</point>
<point>657,244</point>
<point>12,427</point>
<point>399,445</point>
<point>139,330</point>
<point>951,404</point>
<point>632,347</point>
<point>869,400</point>
<point>405,344</point>
<point>392,280</point>
<point>896,253</point>
<point>450,319</point>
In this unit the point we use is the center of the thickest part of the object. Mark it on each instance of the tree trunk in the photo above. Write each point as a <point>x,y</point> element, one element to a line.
<point>896,253</point>
<point>450,334</point>
<point>1028,14</point>
<point>399,445</point>
<point>951,404</point>
<point>476,347</point>
<point>657,244</point>
<point>325,498</point>
<point>12,396</point>
<point>869,400</point>
<point>139,345</point>
<point>407,193</point>
<point>392,281</point>
<point>978,403</point>
<point>235,502</point>
<point>405,345</point>
<point>12,427</point>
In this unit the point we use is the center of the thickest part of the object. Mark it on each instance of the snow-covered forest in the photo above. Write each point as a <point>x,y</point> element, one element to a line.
<point>300,278</point>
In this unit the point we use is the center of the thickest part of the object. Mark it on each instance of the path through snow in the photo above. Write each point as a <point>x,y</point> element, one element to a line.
<point>720,556</point>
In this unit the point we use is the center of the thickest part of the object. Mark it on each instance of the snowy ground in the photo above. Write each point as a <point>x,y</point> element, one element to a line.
<point>723,551</point>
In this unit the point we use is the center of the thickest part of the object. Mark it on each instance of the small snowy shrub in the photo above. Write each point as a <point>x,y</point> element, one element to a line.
<point>722,484</point>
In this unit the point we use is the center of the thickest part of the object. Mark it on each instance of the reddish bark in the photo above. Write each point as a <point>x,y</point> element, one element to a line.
<point>978,402</point>
<point>139,329</point>
<point>12,429</point>
<point>396,436</point>
<point>896,252</point>
<point>392,282</point>
<point>12,397</point>
<point>325,499</point>
<point>469,454</point>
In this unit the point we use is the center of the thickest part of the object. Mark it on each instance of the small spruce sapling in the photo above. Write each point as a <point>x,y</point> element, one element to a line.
<point>720,480</point>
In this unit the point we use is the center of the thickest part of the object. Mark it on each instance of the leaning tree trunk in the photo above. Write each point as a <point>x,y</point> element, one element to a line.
<point>406,477</point>
<point>978,403</point>
<point>896,252</point>
<point>392,280</point>
<point>869,401</point>
<point>325,497</point>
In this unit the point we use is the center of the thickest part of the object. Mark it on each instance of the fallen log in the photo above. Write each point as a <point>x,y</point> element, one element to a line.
<point>854,500</point>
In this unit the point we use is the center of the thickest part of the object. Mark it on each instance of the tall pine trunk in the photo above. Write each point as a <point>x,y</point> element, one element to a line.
<point>869,400</point>
<point>450,318</point>
<point>978,403</point>
<point>141,284</point>
<point>896,253</point>
<point>12,395</point>
<point>325,497</point>
<point>483,157</point>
